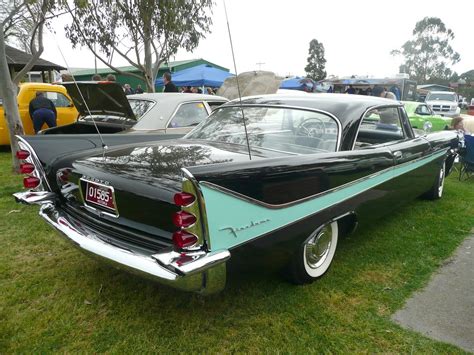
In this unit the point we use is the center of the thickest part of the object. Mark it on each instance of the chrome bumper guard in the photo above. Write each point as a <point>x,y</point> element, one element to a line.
<point>197,271</point>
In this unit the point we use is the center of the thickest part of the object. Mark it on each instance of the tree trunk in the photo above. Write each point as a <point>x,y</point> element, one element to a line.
<point>10,103</point>
<point>150,85</point>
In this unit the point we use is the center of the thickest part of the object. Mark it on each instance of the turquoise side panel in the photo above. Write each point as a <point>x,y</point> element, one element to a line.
<point>233,221</point>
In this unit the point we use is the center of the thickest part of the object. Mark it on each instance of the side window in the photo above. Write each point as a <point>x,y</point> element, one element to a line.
<point>189,114</point>
<point>382,125</point>
<point>59,100</point>
<point>423,110</point>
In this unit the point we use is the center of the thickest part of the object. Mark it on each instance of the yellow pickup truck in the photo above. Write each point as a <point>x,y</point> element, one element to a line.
<point>67,113</point>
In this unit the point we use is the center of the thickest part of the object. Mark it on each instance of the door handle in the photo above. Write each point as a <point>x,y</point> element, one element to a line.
<point>398,154</point>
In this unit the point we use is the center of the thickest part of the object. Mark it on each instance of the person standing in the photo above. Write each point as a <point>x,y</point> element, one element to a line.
<point>382,92</point>
<point>169,86</point>
<point>42,110</point>
<point>128,89</point>
<point>111,77</point>
<point>139,89</point>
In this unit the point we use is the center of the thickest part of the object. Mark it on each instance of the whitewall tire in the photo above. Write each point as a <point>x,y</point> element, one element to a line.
<point>315,256</point>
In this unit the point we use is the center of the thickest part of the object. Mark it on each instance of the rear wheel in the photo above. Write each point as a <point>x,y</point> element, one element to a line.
<point>315,256</point>
<point>436,192</point>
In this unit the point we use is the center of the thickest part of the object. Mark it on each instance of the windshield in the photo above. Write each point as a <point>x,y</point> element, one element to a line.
<point>441,96</point>
<point>140,107</point>
<point>281,129</point>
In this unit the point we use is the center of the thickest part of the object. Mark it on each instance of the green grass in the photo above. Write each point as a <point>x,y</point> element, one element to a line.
<point>55,299</point>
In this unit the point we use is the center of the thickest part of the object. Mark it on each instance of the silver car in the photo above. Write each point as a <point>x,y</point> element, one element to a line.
<point>174,113</point>
<point>443,103</point>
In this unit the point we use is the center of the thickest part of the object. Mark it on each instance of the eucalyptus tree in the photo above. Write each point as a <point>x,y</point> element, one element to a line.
<point>428,55</point>
<point>23,20</point>
<point>144,33</point>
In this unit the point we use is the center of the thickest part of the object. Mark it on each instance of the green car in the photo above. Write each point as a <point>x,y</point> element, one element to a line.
<point>423,118</point>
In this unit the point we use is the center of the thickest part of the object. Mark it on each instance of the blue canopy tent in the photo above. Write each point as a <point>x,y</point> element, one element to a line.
<point>200,76</point>
<point>298,83</point>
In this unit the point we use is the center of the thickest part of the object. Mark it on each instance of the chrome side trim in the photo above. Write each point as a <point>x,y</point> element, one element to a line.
<point>179,270</point>
<point>283,205</point>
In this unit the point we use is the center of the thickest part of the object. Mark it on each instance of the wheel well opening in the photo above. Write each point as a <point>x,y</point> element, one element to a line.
<point>347,224</point>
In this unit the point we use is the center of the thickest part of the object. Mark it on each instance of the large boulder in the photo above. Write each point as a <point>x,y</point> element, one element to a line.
<point>251,83</point>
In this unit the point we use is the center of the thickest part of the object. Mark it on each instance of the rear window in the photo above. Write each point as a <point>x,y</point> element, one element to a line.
<point>279,129</point>
<point>140,107</point>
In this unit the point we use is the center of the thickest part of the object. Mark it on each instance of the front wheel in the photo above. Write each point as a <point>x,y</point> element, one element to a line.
<point>436,192</point>
<point>315,255</point>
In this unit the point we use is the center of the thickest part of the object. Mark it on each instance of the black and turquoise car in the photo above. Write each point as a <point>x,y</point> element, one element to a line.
<point>279,190</point>
<point>422,117</point>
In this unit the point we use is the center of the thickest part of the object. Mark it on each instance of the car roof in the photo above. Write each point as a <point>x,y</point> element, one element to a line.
<point>441,92</point>
<point>175,97</point>
<point>165,104</point>
<point>347,108</point>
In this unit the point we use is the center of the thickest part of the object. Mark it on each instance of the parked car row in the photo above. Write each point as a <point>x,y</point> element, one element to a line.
<point>85,107</point>
<point>103,106</point>
<point>270,179</point>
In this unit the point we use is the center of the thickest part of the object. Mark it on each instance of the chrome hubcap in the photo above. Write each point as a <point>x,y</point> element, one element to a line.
<point>317,248</point>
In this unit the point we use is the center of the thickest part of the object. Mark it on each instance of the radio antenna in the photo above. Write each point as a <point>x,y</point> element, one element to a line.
<point>104,146</point>
<point>237,80</point>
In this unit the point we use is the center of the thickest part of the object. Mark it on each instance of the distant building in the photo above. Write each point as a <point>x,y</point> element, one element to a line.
<point>42,71</point>
<point>175,66</point>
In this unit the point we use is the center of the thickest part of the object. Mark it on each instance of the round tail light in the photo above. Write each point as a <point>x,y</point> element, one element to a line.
<point>182,239</point>
<point>184,219</point>
<point>26,168</point>
<point>30,182</point>
<point>184,199</point>
<point>22,154</point>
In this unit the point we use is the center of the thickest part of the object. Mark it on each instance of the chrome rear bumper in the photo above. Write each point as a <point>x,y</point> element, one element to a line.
<point>197,271</point>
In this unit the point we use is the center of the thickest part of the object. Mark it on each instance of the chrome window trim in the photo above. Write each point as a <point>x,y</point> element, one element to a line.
<point>365,113</point>
<point>210,110</point>
<point>338,123</point>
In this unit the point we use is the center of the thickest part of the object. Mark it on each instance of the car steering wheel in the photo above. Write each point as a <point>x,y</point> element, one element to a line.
<point>311,127</point>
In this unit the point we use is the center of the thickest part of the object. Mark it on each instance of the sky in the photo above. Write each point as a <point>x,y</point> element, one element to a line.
<point>357,35</point>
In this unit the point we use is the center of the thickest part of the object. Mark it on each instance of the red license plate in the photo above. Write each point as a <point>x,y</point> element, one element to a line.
<point>100,195</point>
